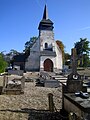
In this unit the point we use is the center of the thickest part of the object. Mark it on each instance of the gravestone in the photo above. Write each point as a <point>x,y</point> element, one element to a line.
<point>74,82</point>
<point>75,100</point>
<point>51,83</point>
<point>14,85</point>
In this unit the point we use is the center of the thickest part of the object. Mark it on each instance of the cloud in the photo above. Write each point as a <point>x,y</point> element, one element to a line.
<point>84,28</point>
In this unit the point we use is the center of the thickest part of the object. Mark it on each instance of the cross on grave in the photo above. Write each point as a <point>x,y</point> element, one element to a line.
<point>74,75</point>
<point>74,82</point>
<point>74,61</point>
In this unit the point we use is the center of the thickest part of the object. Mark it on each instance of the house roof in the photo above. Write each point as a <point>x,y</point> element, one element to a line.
<point>19,58</point>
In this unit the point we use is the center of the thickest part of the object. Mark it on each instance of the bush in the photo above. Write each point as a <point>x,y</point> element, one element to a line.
<point>3,64</point>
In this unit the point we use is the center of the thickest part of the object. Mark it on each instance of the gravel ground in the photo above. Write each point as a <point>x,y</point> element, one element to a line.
<point>19,107</point>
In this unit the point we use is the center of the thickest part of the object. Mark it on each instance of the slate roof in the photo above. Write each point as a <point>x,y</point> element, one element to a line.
<point>45,24</point>
<point>45,14</point>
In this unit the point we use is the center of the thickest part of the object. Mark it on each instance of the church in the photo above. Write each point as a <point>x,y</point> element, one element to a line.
<point>45,55</point>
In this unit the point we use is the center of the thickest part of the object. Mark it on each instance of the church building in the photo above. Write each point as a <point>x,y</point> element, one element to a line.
<point>45,55</point>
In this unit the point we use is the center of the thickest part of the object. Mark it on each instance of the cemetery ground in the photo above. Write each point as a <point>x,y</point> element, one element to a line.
<point>33,104</point>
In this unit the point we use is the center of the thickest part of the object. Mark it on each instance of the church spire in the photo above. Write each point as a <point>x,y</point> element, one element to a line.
<point>45,14</point>
<point>45,23</point>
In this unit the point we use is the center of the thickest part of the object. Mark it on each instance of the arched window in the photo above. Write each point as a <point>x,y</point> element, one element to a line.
<point>46,45</point>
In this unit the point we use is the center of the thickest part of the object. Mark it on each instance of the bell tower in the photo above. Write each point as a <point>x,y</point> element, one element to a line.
<point>47,43</point>
<point>45,24</point>
<point>46,35</point>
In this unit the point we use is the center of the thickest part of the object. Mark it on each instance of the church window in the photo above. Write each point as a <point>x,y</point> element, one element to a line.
<point>46,45</point>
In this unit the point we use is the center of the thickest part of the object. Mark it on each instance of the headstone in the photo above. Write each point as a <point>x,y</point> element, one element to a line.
<point>74,75</point>
<point>14,86</point>
<point>74,82</point>
<point>73,98</point>
<point>51,83</point>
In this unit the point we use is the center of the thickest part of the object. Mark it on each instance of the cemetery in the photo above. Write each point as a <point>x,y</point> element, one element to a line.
<point>56,97</point>
<point>33,101</point>
<point>39,89</point>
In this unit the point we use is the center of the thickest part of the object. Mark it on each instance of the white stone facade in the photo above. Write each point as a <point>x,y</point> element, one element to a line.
<point>48,37</point>
<point>35,61</point>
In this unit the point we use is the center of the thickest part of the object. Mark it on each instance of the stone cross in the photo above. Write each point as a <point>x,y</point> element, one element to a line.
<point>74,82</point>
<point>74,61</point>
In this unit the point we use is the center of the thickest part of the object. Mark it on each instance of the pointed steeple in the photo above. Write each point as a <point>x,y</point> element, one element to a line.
<point>45,14</point>
<point>45,23</point>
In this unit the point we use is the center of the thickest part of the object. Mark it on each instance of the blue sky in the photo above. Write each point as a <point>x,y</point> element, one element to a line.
<point>19,20</point>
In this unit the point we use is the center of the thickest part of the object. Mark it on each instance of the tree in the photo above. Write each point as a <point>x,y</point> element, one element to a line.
<point>61,46</point>
<point>3,63</point>
<point>8,57</point>
<point>82,48</point>
<point>13,52</point>
<point>67,58</point>
<point>29,44</point>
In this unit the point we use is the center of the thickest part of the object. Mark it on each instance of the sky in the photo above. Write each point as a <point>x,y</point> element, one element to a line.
<point>19,20</point>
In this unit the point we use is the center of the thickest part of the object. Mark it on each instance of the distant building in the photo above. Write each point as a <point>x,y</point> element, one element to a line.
<point>18,61</point>
<point>45,53</point>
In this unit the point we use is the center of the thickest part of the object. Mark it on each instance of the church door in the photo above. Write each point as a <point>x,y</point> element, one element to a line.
<point>48,65</point>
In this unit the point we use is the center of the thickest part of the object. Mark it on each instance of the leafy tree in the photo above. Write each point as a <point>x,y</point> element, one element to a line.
<point>82,48</point>
<point>61,46</point>
<point>67,58</point>
<point>29,44</point>
<point>89,63</point>
<point>13,52</point>
<point>86,60</point>
<point>8,57</point>
<point>3,63</point>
